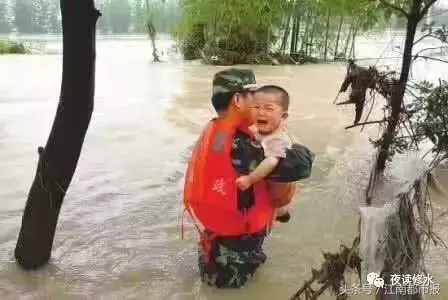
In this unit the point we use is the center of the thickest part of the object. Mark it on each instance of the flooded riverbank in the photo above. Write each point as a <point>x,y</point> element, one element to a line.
<point>119,234</point>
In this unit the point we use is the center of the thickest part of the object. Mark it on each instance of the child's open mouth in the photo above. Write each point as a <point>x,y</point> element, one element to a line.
<point>262,122</point>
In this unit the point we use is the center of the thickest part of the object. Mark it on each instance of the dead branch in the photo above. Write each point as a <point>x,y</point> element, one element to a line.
<point>428,35</point>
<point>366,123</point>
<point>432,58</point>
<point>331,273</point>
<point>427,49</point>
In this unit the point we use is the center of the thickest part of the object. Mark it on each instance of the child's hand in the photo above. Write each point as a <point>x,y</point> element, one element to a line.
<point>244,182</point>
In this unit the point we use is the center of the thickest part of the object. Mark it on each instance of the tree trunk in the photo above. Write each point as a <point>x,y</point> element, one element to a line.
<point>292,48</point>
<point>398,91</point>
<point>58,160</point>
<point>297,34</point>
<point>309,45</point>
<point>215,29</point>
<point>152,36</point>
<point>286,34</point>
<point>305,34</point>
<point>336,48</point>
<point>347,41</point>
<point>154,50</point>
<point>151,30</point>
<point>352,48</point>
<point>326,35</point>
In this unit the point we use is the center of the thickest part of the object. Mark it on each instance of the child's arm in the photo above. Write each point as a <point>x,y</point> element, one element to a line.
<point>260,172</point>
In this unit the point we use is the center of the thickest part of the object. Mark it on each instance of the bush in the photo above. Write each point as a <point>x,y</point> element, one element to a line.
<point>229,27</point>
<point>9,47</point>
<point>194,42</point>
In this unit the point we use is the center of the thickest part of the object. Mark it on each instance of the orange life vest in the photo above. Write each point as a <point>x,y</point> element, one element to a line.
<point>211,195</point>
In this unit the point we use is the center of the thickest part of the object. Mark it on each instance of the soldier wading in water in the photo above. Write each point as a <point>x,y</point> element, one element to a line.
<point>232,223</point>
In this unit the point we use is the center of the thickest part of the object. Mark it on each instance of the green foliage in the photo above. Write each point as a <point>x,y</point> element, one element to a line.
<point>430,114</point>
<point>315,28</point>
<point>242,26</point>
<point>426,119</point>
<point>194,42</point>
<point>8,47</point>
<point>357,16</point>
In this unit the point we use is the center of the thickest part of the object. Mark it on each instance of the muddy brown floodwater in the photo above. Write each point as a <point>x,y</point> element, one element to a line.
<point>119,231</point>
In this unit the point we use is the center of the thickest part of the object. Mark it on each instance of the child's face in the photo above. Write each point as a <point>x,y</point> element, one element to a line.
<point>267,112</point>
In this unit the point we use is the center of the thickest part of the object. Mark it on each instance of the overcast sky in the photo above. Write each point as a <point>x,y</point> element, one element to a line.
<point>442,3</point>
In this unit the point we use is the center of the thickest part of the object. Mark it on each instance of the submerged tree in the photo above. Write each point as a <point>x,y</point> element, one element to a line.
<point>152,36</point>
<point>307,30</point>
<point>239,29</point>
<point>327,29</point>
<point>151,31</point>
<point>58,160</point>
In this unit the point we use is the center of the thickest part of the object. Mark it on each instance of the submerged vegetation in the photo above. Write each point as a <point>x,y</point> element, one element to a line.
<point>9,47</point>
<point>276,31</point>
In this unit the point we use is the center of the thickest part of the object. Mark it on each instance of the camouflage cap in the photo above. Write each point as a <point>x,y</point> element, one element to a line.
<point>233,80</point>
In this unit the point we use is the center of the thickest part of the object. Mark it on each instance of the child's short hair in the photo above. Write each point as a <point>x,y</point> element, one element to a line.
<point>275,89</point>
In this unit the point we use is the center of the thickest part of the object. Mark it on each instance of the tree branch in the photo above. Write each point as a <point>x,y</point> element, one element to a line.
<point>366,123</point>
<point>432,58</point>
<point>395,7</point>
<point>409,136</point>
<point>408,90</point>
<point>424,37</point>
<point>427,49</point>
<point>425,9</point>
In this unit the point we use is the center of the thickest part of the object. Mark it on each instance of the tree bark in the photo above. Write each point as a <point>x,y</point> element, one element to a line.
<point>58,160</point>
